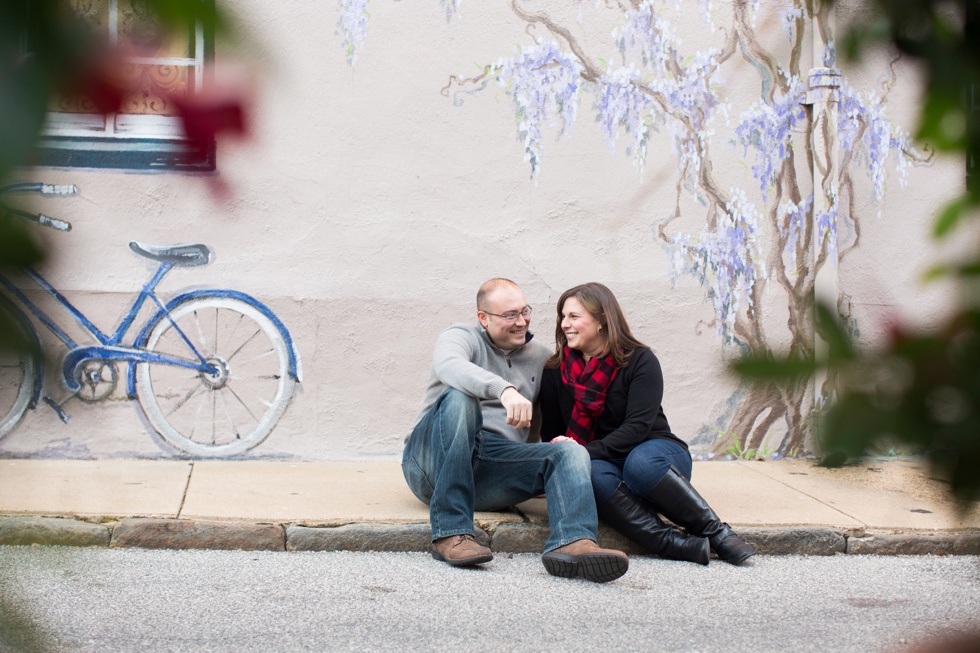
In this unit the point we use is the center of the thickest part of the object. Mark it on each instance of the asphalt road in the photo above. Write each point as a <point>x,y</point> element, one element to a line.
<point>143,600</point>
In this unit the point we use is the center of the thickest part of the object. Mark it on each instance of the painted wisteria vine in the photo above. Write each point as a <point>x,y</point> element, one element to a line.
<point>352,25</point>
<point>754,238</point>
<point>545,84</point>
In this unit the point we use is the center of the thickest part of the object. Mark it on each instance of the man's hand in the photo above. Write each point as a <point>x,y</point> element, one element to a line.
<point>518,408</point>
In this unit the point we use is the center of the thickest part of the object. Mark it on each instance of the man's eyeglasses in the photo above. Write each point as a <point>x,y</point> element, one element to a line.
<point>513,315</point>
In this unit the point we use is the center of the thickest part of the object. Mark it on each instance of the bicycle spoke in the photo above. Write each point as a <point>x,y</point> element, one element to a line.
<point>261,377</point>
<point>248,340</point>
<point>247,409</point>
<point>231,420</point>
<point>215,332</point>
<point>201,406</point>
<point>234,331</point>
<point>200,333</point>
<point>265,354</point>
<point>184,400</point>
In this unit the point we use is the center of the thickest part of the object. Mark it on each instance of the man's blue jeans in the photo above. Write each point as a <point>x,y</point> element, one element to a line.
<point>642,469</point>
<point>456,467</point>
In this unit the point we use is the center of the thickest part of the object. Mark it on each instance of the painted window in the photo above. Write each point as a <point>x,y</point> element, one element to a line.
<point>145,133</point>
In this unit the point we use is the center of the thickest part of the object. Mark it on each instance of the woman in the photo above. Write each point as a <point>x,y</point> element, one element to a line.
<point>603,389</point>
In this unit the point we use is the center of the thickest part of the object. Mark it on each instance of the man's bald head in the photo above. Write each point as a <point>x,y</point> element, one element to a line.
<point>489,288</point>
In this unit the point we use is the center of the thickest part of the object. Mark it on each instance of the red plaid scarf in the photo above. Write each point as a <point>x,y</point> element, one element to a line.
<point>588,383</point>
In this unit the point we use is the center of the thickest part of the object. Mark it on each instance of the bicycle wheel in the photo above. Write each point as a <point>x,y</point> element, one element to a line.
<point>231,411</point>
<point>17,369</point>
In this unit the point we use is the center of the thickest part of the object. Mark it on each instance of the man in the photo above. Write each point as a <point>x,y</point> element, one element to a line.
<point>468,450</point>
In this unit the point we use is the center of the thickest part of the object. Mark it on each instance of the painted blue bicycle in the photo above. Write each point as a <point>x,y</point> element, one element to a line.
<point>212,370</point>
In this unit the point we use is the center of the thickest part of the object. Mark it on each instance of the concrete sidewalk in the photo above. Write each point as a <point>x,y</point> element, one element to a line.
<point>781,507</point>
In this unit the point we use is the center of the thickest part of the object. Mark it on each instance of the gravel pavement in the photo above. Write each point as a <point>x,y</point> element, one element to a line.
<point>91,599</point>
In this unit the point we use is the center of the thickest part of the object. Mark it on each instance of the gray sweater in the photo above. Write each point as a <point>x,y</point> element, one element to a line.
<point>466,359</point>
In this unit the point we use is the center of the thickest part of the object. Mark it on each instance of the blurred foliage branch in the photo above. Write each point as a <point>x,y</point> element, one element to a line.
<point>921,388</point>
<point>46,52</point>
<point>943,38</point>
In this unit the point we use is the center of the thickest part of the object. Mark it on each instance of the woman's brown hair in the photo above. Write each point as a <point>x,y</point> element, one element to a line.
<point>601,304</point>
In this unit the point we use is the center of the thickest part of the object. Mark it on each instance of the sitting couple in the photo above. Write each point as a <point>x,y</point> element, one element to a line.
<point>607,450</point>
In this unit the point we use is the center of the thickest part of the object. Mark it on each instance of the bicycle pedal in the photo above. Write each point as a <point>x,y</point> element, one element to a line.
<point>62,415</point>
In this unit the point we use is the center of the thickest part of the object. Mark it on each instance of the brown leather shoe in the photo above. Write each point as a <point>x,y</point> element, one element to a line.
<point>584,559</point>
<point>460,551</point>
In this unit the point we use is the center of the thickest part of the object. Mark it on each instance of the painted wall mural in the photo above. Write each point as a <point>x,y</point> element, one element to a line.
<point>766,198</point>
<point>212,370</point>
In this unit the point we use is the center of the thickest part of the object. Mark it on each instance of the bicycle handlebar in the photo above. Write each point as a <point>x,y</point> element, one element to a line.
<point>54,223</point>
<point>44,189</point>
<point>49,189</point>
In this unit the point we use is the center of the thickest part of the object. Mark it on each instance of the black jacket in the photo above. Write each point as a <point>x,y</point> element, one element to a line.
<point>632,415</point>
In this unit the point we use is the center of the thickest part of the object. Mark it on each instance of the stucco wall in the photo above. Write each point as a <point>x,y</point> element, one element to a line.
<point>369,204</point>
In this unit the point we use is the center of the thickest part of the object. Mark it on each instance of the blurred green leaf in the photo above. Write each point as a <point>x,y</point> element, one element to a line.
<point>18,247</point>
<point>937,272</point>
<point>970,269</point>
<point>951,216</point>
<point>178,14</point>
<point>962,270</point>
<point>829,328</point>
<point>767,368</point>
<point>23,96</point>
<point>943,122</point>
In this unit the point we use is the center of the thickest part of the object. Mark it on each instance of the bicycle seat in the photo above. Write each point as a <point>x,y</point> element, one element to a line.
<point>188,256</point>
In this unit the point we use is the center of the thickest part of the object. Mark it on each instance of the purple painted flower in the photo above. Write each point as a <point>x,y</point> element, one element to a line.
<point>353,22</point>
<point>766,132</point>
<point>684,87</point>
<point>452,7</point>
<point>792,222</point>
<point>825,228</point>
<point>866,133</point>
<point>725,259</point>
<point>644,31</point>
<point>544,83</point>
<point>621,103</point>
<point>352,25</point>
<point>789,13</point>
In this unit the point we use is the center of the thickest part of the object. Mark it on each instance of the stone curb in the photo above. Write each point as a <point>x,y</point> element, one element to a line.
<point>812,541</point>
<point>506,537</point>
<point>52,530</point>
<point>915,544</point>
<point>359,537</point>
<point>150,533</point>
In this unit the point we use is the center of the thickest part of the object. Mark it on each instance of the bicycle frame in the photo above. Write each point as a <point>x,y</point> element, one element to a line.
<point>109,347</point>
<point>245,403</point>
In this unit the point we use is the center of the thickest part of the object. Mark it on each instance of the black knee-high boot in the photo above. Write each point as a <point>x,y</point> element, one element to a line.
<point>676,499</point>
<point>629,515</point>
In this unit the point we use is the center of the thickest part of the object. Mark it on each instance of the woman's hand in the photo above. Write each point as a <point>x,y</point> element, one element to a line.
<point>562,438</point>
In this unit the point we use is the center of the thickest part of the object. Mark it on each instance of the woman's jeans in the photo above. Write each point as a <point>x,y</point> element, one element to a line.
<point>456,467</point>
<point>642,469</point>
